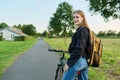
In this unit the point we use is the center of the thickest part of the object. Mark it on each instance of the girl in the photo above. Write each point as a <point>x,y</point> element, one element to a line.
<point>77,49</point>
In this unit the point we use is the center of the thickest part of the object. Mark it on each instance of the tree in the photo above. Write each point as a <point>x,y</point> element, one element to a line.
<point>38,34</point>
<point>101,33</point>
<point>45,34</point>
<point>118,34</point>
<point>70,33</point>
<point>107,8</point>
<point>50,33</point>
<point>18,27</point>
<point>3,25</point>
<point>29,29</point>
<point>55,25</point>
<point>111,33</point>
<point>62,19</point>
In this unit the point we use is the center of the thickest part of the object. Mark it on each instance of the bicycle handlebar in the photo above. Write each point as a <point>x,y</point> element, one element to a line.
<point>56,50</point>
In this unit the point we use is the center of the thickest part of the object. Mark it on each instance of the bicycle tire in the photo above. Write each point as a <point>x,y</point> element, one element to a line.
<point>59,73</point>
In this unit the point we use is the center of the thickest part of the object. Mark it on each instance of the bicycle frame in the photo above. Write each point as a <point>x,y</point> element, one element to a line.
<point>62,62</point>
<point>61,58</point>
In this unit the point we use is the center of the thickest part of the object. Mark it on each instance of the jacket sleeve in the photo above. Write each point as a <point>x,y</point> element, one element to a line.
<point>82,36</point>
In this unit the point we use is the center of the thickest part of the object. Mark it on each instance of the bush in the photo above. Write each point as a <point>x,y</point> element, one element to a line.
<point>29,37</point>
<point>1,38</point>
<point>19,38</point>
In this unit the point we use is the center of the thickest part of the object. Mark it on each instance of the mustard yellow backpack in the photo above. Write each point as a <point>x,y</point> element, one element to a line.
<point>95,52</point>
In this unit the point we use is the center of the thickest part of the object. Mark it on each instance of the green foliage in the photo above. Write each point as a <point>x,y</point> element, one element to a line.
<point>70,33</point>
<point>23,38</point>
<point>109,33</point>
<point>29,29</point>
<point>19,38</point>
<point>118,34</point>
<point>18,27</point>
<point>55,25</point>
<point>45,34</point>
<point>1,38</point>
<point>101,33</point>
<point>38,34</point>
<point>62,19</point>
<point>51,33</point>
<point>3,25</point>
<point>107,8</point>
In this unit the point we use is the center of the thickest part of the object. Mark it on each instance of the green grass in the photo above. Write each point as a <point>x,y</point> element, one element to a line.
<point>109,69</point>
<point>10,50</point>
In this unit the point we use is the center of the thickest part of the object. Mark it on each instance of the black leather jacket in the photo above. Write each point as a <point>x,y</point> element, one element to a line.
<point>77,47</point>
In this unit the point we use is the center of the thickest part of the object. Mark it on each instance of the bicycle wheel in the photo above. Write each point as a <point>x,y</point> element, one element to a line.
<point>59,73</point>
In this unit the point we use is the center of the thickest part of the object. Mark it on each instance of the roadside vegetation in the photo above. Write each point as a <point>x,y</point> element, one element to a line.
<point>10,50</point>
<point>109,69</point>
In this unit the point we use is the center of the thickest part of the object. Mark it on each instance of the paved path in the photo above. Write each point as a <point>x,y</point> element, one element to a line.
<point>35,64</point>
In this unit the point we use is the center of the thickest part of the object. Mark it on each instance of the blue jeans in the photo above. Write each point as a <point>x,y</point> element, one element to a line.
<point>82,66</point>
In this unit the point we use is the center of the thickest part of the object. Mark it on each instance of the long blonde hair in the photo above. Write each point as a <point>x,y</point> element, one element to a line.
<point>84,22</point>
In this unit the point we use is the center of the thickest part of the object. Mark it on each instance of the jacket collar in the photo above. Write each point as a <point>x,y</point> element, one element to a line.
<point>78,28</point>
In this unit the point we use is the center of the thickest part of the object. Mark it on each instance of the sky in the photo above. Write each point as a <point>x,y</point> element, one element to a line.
<point>38,13</point>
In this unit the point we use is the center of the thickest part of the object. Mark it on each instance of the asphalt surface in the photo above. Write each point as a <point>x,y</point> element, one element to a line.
<point>35,64</point>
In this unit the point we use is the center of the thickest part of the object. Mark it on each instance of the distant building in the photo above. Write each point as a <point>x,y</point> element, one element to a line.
<point>9,33</point>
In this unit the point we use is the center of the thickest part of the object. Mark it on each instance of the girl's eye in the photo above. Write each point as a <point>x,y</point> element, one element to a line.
<point>75,17</point>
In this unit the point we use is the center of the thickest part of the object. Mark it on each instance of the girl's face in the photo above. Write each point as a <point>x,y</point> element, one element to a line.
<point>77,19</point>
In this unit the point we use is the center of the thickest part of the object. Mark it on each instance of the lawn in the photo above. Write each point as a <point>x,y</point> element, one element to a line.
<point>10,50</point>
<point>110,67</point>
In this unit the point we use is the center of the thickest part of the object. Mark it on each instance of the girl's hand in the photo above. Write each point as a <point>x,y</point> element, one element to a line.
<point>66,67</point>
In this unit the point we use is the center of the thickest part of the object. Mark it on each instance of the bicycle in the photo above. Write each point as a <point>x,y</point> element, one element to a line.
<point>60,66</point>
